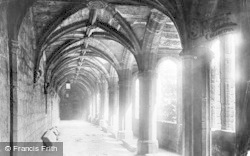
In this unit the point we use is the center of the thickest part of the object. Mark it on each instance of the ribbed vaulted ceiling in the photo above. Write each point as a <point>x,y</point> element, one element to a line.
<point>89,42</point>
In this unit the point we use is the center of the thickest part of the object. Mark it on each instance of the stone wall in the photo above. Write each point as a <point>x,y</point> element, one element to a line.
<point>4,79</point>
<point>223,143</point>
<point>73,104</point>
<point>55,110</point>
<point>34,113</point>
<point>168,135</point>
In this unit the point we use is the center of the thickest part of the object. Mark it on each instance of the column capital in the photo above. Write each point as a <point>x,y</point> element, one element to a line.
<point>97,4</point>
<point>15,47</point>
<point>125,82</point>
<point>113,87</point>
<point>124,73</point>
<point>187,54</point>
<point>113,79</point>
<point>15,42</point>
<point>156,22</point>
<point>147,72</point>
<point>101,83</point>
<point>201,52</point>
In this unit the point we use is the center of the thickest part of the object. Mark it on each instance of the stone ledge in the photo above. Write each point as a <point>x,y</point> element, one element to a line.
<point>129,145</point>
<point>147,147</point>
<point>50,136</point>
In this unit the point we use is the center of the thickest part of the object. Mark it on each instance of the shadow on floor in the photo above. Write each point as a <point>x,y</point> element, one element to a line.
<point>81,138</point>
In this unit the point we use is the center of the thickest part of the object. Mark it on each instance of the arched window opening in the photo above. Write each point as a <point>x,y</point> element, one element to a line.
<point>167,91</point>
<point>222,83</point>
<point>215,87</point>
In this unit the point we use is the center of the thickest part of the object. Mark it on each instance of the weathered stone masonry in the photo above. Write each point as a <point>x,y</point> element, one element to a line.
<point>33,116</point>
<point>4,77</point>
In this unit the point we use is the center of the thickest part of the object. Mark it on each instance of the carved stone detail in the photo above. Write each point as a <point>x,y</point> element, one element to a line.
<point>212,27</point>
<point>37,75</point>
<point>97,5</point>
<point>46,88</point>
<point>195,29</point>
<point>15,47</point>
<point>221,24</point>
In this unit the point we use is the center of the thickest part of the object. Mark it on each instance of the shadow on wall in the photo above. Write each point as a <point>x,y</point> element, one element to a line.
<point>169,135</point>
<point>223,143</point>
<point>73,104</point>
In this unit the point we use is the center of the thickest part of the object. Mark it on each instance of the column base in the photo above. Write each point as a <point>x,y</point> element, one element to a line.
<point>95,120</point>
<point>147,147</point>
<point>122,135</point>
<point>104,125</point>
<point>112,130</point>
<point>89,118</point>
<point>92,120</point>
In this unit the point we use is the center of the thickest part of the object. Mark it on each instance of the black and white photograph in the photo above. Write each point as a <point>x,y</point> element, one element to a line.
<point>124,77</point>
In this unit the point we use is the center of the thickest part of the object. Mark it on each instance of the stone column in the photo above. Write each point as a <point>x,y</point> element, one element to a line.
<point>188,65</point>
<point>242,92</point>
<point>227,68</point>
<point>103,106</point>
<point>195,105</point>
<point>135,105</point>
<point>102,99</point>
<point>93,107</point>
<point>90,113</point>
<point>111,104</point>
<point>113,107</point>
<point>147,143</point>
<point>96,106</point>
<point>125,117</point>
<point>179,105</point>
<point>14,50</point>
<point>106,102</point>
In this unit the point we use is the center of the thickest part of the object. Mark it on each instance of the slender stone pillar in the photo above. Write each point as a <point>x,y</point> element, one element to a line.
<point>14,50</point>
<point>188,65</point>
<point>242,92</point>
<point>97,106</point>
<point>147,143</point>
<point>125,106</point>
<point>111,104</point>
<point>90,113</point>
<point>135,104</point>
<point>113,107</point>
<point>106,102</point>
<point>102,100</point>
<point>227,67</point>
<point>195,105</point>
<point>93,107</point>
<point>103,106</point>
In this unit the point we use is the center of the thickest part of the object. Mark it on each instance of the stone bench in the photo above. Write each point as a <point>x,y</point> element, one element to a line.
<point>50,136</point>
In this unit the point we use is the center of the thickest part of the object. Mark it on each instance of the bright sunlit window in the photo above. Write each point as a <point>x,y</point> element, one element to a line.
<point>215,86</point>
<point>222,83</point>
<point>167,91</point>
<point>68,86</point>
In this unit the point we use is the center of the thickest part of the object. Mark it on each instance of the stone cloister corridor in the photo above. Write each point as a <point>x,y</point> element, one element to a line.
<point>81,137</point>
<point>126,77</point>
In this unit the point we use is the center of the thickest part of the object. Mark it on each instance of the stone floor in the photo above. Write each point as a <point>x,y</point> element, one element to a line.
<point>81,138</point>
